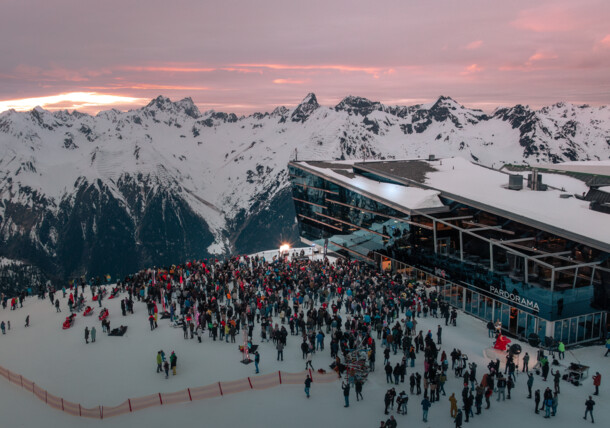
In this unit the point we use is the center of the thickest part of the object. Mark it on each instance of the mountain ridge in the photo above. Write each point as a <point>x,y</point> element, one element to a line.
<point>168,182</point>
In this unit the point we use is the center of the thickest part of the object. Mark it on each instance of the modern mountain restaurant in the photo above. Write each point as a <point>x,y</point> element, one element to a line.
<point>533,256</point>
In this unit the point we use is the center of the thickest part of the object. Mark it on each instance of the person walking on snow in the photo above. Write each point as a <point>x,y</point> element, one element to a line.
<point>425,405</point>
<point>597,380</point>
<point>27,321</point>
<point>93,334</point>
<point>307,385</point>
<point>308,363</point>
<point>257,360</point>
<point>86,334</point>
<point>159,362</point>
<point>345,386</point>
<point>589,408</point>
<point>454,408</point>
<point>172,360</point>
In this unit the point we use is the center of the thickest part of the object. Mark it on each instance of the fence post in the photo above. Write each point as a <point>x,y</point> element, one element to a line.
<point>220,387</point>
<point>160,399</point>
<point>80,412</point>
<point>129,401</point>
<point>190,397</point>
<point>280,373</point>
<point>101,412</point>
<point>250,382</point>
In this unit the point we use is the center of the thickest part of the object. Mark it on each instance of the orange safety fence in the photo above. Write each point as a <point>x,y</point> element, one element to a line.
<point>190,394</point>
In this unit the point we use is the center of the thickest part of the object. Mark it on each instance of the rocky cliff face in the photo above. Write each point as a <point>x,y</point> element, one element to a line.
<point>111,193</point>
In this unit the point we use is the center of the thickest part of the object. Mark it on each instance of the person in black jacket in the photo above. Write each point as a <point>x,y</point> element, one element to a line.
<point>589,408</point>
<point>458,419</point>
<point>537,399</point>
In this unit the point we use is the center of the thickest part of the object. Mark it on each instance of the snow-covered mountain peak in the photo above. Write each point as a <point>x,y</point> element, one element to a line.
<point>302,112</point>
<point>358,105</point>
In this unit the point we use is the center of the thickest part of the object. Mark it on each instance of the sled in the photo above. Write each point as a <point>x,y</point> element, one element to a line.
<point>69,321</point>
<point>88,311</point>
<point>103,315</point>
<point>114,293</point>
<point>118,331</point>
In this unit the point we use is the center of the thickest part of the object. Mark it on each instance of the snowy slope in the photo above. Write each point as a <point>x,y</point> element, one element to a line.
<point>167,182</point>
<point>116,368</point>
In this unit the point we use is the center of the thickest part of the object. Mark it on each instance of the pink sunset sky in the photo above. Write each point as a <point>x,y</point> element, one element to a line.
<point>246,56</point>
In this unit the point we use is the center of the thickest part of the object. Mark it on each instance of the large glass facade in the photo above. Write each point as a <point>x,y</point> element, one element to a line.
<point>477,274</point>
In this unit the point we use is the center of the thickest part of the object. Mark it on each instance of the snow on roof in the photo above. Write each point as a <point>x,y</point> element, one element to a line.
<point>459,177</point>
<point>585,167</point>
<point>411,198</point>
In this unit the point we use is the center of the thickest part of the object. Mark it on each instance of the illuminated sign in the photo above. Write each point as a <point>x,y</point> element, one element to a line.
<point>523,301</point>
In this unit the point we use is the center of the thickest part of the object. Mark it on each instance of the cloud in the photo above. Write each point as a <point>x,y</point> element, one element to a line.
<point>290,81</point>
<point>605,42</point>
<point>541,56</point>
<point>474,45</point>
<point>68,100</point>
<point>547,19</point>
<point>472,69</point>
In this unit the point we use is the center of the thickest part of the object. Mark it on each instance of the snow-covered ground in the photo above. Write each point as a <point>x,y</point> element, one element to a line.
<point>116,368</point>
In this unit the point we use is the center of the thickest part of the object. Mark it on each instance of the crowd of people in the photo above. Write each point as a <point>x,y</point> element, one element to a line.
<point>354,305</point>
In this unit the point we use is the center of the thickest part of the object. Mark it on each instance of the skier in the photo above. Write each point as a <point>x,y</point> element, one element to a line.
<point>86,334</point>
<point>307,385</point>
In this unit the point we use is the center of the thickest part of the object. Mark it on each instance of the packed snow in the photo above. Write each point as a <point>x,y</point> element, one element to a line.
<point>116,368</point>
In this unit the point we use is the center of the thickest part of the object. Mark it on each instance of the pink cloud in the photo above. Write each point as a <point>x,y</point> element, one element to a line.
<point>290,81</point>
<point>605,42</point>
<point>541,56</point>
<point>474,45</point>
<point>472,69</point>
<point>552,18</point>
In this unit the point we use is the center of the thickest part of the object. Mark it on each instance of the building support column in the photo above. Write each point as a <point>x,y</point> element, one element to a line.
<point>461,247</point>
<point>434,236</point>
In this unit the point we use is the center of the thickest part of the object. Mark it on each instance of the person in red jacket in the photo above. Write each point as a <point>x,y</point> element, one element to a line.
<point>597,379</point>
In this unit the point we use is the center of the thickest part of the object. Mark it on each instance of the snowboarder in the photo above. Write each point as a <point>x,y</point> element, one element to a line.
<point>307,385</point>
